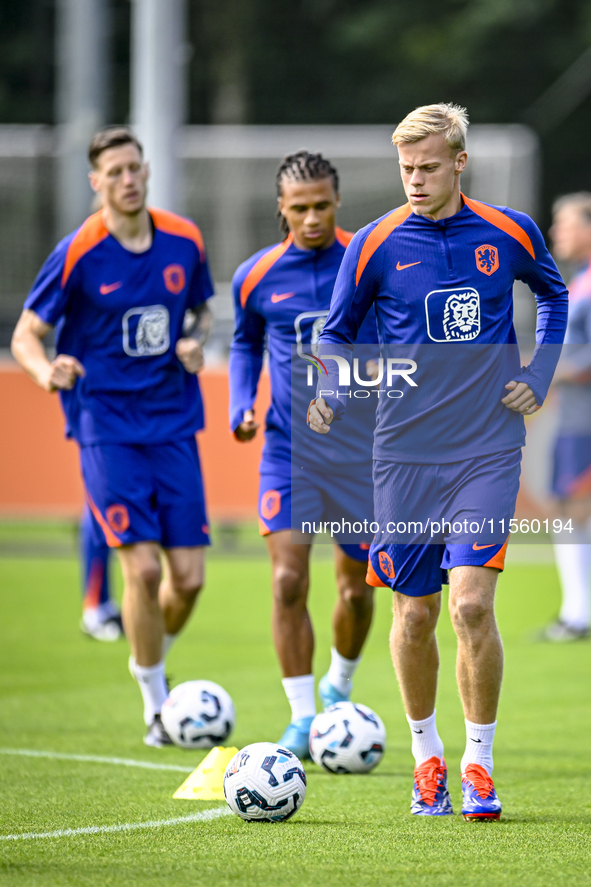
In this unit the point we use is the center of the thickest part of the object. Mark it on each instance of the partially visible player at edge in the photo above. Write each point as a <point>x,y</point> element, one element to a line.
<point>411,265</point>
<point>281,294</point>
<point>120,290</point>
<point>101,618</point>
<point>571,237</point>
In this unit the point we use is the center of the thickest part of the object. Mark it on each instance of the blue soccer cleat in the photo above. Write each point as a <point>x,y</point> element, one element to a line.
<point>479,798</point>
<point>297,738</point>
<point>329,695</point>
<point>430,796</point>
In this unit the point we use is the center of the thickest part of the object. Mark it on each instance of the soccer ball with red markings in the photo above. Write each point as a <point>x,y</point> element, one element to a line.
<point>347,738</point>
<point>265,782</point>
<point>198,714</point>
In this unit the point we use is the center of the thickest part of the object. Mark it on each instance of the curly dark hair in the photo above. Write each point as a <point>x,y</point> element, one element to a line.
<point>303,167</point>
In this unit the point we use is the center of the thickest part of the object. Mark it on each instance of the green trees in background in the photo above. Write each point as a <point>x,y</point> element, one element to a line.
<point>339,61</point>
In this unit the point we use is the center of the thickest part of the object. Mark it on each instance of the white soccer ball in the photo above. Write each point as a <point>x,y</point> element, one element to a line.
<point>198,714</point>
<point>347,738</point>
<point>265,783</point>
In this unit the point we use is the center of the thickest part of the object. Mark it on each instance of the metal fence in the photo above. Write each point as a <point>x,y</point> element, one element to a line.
<point>228,175</point>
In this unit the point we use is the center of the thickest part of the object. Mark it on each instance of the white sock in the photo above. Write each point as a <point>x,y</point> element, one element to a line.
<point>341,671</point>
<point>153,686</point>
<point>167,642</point>
<point>426,741</point>
<point>479,743</point>
<point>300,694</point>
<point>573,561</point>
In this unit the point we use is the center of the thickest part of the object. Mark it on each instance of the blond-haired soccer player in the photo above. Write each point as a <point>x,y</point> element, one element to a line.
<point>439,271</point>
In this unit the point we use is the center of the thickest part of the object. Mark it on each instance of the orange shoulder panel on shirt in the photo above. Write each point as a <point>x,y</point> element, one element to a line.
<point>260,268</point>
<point>344,237</point>
<point>170,223</point>
<point>376,237</point>
<point>500,220</point>
<point>91,232</point>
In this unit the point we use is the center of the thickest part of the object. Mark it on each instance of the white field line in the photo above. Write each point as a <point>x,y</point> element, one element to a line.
<point>204,816</point>
<point>93,759</point>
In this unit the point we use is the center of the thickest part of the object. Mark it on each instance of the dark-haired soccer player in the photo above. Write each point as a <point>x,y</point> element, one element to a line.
<point>119,290</point>
<point>441,270</point>
<point>281,296</point>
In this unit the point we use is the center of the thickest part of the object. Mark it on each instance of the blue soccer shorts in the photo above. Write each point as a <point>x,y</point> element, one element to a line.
<point>462,508</point>
<point>572,467</point>
<point>146,493</point>
<point>312,498</point>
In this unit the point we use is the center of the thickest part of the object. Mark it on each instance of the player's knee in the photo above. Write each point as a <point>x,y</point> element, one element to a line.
<point>357,596</point>
<point>416,620</point>
<point>188,585</point>
<point>289,585</point>
<point>149,572</point>
<point>468,613</point>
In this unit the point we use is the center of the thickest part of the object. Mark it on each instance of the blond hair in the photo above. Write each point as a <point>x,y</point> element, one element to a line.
<point>449,119</point>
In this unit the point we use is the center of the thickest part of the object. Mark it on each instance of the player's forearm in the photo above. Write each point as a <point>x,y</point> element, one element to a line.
<point>552,316</point>
<point>204,325</point>
<point>29,352</point>
<point>551,327</point>
<point>198,324</point>
<point>244,373</point>
<point>333,388</point>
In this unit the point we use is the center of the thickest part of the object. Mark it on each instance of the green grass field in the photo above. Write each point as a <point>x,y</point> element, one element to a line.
<point>63,693</point>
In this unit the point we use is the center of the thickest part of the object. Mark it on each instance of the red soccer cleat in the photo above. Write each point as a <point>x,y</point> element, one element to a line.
<point>479,798</point>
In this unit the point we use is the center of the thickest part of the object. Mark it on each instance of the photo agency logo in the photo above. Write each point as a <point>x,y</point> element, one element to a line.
<point>383,375</point>
<point>314,362</point>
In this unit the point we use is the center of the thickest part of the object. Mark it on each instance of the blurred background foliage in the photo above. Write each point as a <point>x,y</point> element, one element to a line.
<point>342,61</point>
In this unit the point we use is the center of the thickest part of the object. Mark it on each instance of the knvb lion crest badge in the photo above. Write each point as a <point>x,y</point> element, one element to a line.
<point>312,321</point>
<point>386,564</point>
<point>461,316</point>
<point>453,315</point>
<point>146,331</point>
<point>487,258</point>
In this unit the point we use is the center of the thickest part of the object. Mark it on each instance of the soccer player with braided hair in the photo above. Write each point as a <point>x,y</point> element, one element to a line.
<point>282,295</point>
<point>302,167</point>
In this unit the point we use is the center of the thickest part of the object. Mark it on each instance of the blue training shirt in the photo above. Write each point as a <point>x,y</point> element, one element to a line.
<point>575,393</point>
<point>437,286</point>
<point>281,297</point>
<point>121,314</point>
